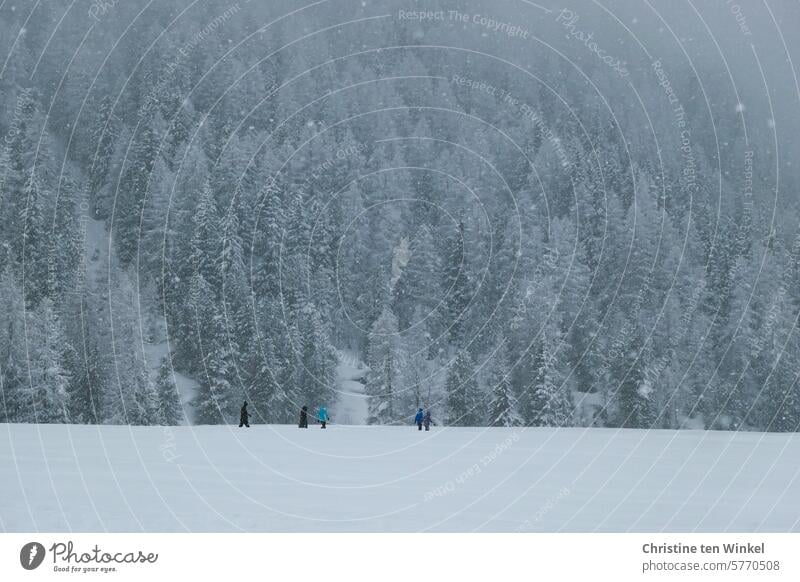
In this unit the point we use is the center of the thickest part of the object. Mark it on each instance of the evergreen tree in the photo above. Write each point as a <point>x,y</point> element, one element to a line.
<point>15,405</point>
<point>383,378</point>
<point>502,407</point>
<point>65,248</point>
<point>130,397</point>
<point>417,287</point>
<point>103,135</point>
<point>551,401</point>
<point>206,240</point>
<point>48,376</point>
<point>270,391</point>
<point>134,184</point>
<point>170,411</point>
<point>456,287</point>
<point>465,405</point>
<point>86,393</point>
<point>216,400</point>
<point>33,248</point>
<point>314,358</point>
<point>634,392</point>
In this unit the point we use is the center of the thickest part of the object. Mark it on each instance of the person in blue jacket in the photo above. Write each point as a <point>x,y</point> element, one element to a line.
<point>418,419</point>
<point>323,416</point>
<point>426,420</point>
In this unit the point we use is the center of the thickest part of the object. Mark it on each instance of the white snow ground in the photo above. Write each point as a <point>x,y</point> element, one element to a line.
<point>354,478</point>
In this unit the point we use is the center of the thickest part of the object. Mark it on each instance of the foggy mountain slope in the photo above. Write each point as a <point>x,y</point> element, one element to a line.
<point>518,214</point>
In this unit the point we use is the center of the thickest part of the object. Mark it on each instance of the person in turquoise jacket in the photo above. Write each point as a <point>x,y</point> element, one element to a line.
<point>323,416</point>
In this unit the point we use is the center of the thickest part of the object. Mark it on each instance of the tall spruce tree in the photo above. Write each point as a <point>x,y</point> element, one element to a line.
<point>169,411</point>
<point>502,405</point>
<point>383,378</point>
<point>465,403</point>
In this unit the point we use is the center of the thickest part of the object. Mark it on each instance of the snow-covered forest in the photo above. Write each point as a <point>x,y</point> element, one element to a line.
<point>477,209</point>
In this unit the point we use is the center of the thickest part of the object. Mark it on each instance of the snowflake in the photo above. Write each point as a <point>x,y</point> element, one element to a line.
<point>739,107</point>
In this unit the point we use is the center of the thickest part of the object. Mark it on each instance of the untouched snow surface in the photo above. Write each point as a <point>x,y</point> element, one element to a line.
<point>354,478</point>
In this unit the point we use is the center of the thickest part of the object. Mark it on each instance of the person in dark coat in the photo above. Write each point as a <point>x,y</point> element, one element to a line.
<point>418,419</point>
<point>244,416</point>
<point>303,417</point>
<point>426,420</point>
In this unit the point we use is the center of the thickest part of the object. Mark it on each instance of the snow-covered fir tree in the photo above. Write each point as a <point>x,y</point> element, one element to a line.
<point>169,411</point>
<point>502,404</point>
<point>551,399</point>
<point>465,403</point>
<point>384,361</point>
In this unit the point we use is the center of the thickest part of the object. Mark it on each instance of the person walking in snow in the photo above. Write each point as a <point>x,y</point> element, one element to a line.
<point>418,419</point>
<point>303,417</point>
<point>244,416</point>
<point>323,416</point>
<point>426,420</point>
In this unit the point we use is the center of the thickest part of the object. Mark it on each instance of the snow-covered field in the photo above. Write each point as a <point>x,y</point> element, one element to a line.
<point>356,478</point>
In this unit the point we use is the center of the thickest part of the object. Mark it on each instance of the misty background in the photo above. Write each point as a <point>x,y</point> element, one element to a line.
<point>512,213</point>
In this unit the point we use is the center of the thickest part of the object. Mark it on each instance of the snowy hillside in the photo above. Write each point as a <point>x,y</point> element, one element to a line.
<point>279,478</point>
<point>514,232</point>
<point>96,261</point>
